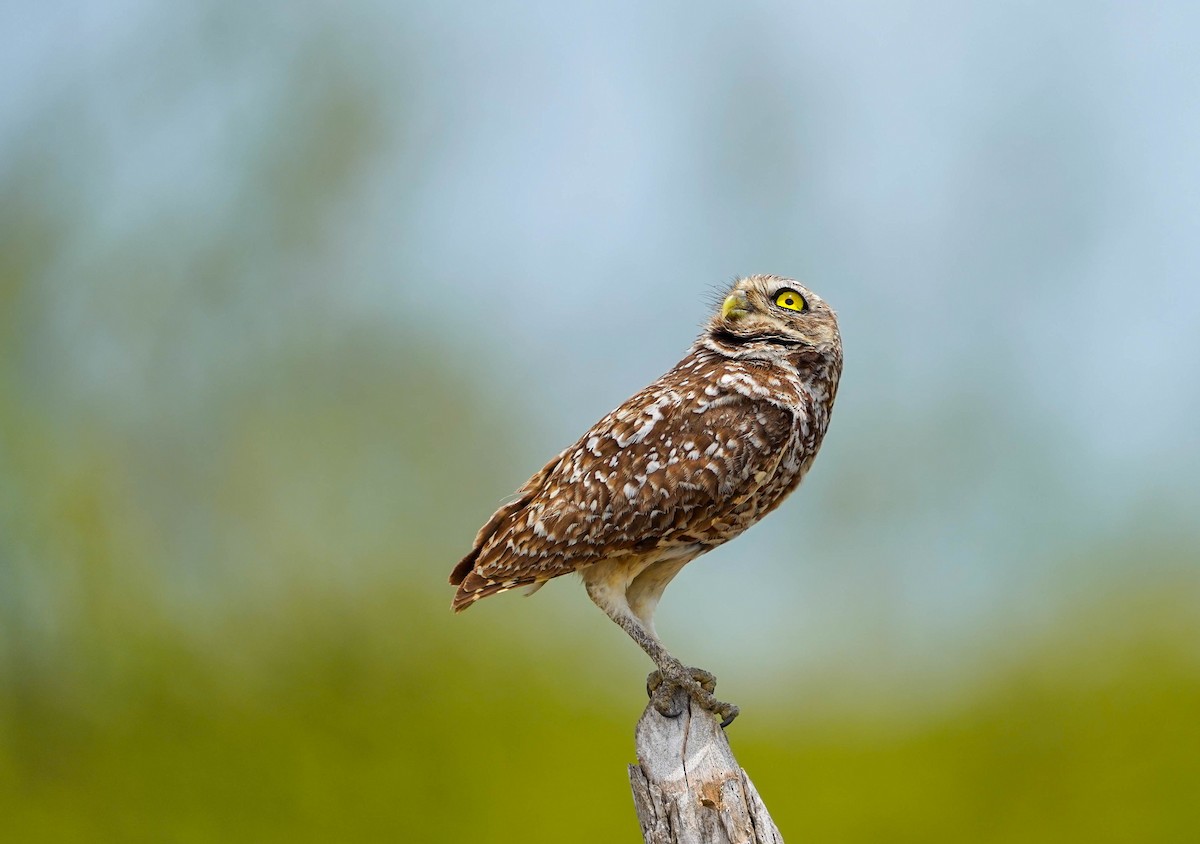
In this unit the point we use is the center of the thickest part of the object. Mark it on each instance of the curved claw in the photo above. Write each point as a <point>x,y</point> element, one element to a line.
<point>729,712</point>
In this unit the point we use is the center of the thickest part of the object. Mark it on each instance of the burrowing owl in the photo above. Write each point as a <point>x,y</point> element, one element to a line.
<point>685,465</point>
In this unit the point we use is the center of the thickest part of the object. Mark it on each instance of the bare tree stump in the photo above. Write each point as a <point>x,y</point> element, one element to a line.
<point>688,788</point>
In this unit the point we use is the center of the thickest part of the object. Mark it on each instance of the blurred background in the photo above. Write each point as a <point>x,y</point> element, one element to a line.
<point>293,295</point>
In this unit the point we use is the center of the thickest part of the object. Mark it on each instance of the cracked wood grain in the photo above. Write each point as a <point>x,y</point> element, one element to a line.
<point>687,786</point>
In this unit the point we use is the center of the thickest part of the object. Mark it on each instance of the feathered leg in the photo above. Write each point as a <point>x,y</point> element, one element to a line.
<point>630,602</point>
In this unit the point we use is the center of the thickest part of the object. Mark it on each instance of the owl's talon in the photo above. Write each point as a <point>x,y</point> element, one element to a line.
<point>706,679</point>
<point>726,711</point>
<point>699,684</point>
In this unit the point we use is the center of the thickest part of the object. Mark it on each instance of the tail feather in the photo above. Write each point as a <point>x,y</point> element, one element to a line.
<point>464,566</point>
<point>473,587</point>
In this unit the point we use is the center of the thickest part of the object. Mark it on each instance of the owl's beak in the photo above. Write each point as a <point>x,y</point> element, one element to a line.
<point>735,306</point>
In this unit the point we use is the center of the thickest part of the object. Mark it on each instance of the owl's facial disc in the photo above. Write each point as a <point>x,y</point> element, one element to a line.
<point>766,317</point>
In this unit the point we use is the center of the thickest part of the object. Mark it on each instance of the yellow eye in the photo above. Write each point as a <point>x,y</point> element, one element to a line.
<point>791,300</point>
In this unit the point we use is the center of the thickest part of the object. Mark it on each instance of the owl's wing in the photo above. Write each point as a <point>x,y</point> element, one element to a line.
<point>665,468</point>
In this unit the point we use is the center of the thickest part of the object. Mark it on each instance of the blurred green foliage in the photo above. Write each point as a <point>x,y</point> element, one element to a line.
<point>227,511</point>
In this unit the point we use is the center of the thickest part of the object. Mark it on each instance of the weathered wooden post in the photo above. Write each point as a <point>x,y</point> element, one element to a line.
<point>687,786</point>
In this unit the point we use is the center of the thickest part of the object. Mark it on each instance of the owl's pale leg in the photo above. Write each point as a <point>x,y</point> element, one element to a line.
<point>645,590</point>
<point>643,595</point>
<point>610,588</point>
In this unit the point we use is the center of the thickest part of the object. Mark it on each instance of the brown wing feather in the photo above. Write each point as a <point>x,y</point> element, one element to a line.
<point>662,469</point>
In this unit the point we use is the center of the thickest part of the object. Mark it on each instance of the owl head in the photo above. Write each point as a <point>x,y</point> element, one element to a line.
<point>767,317</point>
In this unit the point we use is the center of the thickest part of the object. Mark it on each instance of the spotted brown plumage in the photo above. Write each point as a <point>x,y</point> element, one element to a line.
<point>687,464</point>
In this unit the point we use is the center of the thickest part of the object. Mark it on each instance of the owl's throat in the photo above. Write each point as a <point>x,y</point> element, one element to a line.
<point>733,339</point>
